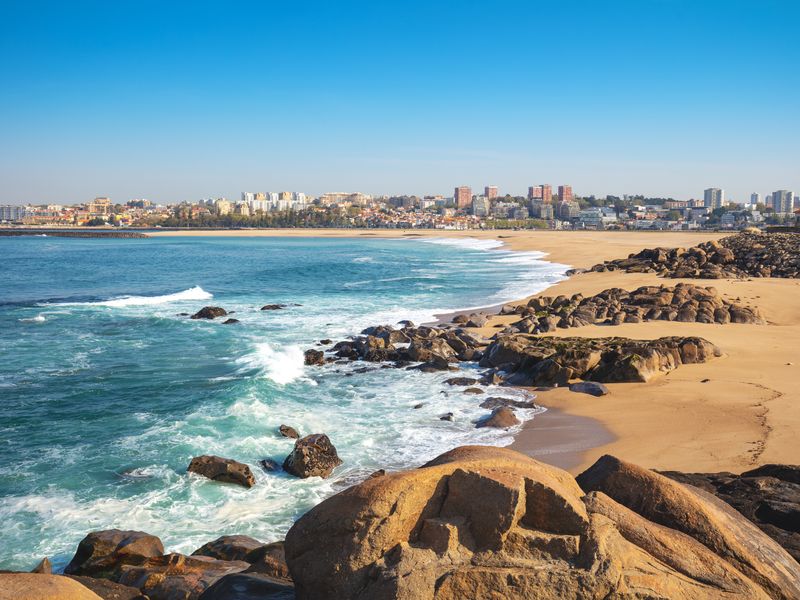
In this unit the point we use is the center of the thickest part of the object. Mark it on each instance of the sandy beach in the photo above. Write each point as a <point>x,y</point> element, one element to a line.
<point>731,414</point>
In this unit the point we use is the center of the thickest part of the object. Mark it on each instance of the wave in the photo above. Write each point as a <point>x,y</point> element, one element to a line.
<point>195,293</point>
<point>281,366</point>
<point>36,319</point>
<point>363,259</point>
<point>469,243</point>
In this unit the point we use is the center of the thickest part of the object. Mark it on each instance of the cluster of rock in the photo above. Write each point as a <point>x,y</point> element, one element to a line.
<point>746,254</point>
<point>684,302</point>
<point>769,496</point>
<point>529,360</point>
<point>312,456</point>
<point>213,312</point>
<point>482,522</point>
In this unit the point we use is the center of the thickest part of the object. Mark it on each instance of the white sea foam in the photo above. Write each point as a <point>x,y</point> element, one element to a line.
<point>36,319</point>
<point>363,259</point>
<point>281,366</point>
<point>195,293</point>
<point>469,243</point>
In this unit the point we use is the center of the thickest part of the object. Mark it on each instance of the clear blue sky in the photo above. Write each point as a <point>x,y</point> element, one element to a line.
<point>177,100</point>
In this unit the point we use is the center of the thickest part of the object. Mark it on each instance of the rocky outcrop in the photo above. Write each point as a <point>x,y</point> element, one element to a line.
<point>483,522</point>
<point>684,302</point>
<point>312,456</point>
<point>109,590</point>
<point>248,586</point>
<point>229,547</point>
<point>502,417</point>
<point>221,469</point>
<point>544,361</point>
<point>101,553</point>
<point>314,357</point>
<point>289,432</point>
<point>273,307</point>
<point>746,254</point>
<point>41,586</point>
<point>209,312</point>
<point>269,559</point>
<point>769,496</point>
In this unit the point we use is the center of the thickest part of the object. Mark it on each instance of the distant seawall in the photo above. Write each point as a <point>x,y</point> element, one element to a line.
<point>77,233</point>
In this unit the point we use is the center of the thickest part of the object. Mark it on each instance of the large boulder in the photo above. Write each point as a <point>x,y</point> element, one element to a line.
<point>101,553</point>
<point>221,469</point>
<point>312,456</point>
<point>229,547</point>
<point>177,577</point>
<point>209,312</point>
<point>502,417</point>
<point>701,516</point>
<point>481,522</point>
<point>42,586</point>
<point>269,559</point>
<point>248,586</point>
<point>109,590</point>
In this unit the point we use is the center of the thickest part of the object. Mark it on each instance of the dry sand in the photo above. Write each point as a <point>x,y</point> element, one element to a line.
<point>747,413</point>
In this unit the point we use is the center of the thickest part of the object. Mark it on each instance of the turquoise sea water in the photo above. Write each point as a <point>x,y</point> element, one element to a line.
<point>106,393</point>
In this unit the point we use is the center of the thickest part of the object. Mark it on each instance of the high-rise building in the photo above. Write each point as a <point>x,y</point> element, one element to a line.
<point>535,192</point>
<point>490,191</point>
<point>565,193</point>
<point>481,206</point>
<point>755,198</point>
<point>547,193</point>
<point>713,198</point>
<point>463,196</point>
<point>783,201</point>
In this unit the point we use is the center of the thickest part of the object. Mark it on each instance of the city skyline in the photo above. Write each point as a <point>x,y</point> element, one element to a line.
<point>661,98</point>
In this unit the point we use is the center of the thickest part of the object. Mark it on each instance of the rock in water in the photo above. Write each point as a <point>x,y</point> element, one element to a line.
<point>41,586</point>
<point>230,321</point>
<point>221,469</point>
<point>289,432</point>
<point>501,417</point>
<point>312,456</point>
<point>101,553</point>
<point>273,306</point>
<point>481,522</point>
<point>589,387</point>
<point>209,312</point>
<point>314,357</point>
<point>229,547</point>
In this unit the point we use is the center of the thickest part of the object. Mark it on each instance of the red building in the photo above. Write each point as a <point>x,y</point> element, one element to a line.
<point>547,193</point>
<point>535,192</point>
<point>490,191</point>
<point>463,196</point>
<point>565,193</point>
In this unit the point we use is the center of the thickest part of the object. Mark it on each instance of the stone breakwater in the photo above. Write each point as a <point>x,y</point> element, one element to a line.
<point>743,255</point>
<point>684,302</point>
<point>475,522</point>
<point>73,233</point>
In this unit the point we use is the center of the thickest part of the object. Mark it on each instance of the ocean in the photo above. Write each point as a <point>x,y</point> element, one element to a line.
<point>106,393</point>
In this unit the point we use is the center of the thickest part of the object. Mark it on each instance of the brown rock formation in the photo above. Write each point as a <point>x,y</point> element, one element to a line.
<point>41,586</point>
<point>312,456</point>
<point>491,523</point>
<point>101,553</point>
<point>229,547</point>
<point>209,312</point>
<point>221,469</point>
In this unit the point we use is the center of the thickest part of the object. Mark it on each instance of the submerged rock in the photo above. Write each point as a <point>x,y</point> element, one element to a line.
<point>312,456</point>
<point>273,306</point>
<point>225,470</point>
<point>209,312</point>
<point>481,522</point>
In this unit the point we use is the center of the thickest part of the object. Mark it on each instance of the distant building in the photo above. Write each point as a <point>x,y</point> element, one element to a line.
<point>714,198</point>
<point>222,206</point>
<point>490,191</point>
<point>755,198</point>
<point>535,192</point>
<point>565,193</point>
<point>463,196</point>
<point>11,212</point>
<point>568,210</point>
<point>783,201</point>
<point>100,206</point>
<point>547,193</point>
<point>481,205</point>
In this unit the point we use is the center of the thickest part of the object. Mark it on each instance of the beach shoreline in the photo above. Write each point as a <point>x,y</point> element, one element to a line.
<point>730,414</point>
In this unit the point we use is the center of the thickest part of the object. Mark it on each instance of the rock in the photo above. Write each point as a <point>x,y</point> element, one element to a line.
<point>420,405</point>
<point>460,319</point>
<point>493,402</point>
<point>41,586</point>
<point>312,456</point>
<point>326,342</point>
<point>269,559</point>
<point>107,589</point>
<point>314,357</point>
<point>101,553</point>
<point>221,469</point>
<point>698,515</point>
<point>289,432</point>
<point>44,567</point>
<point>447,417</point>
<point>176,576</point>
<point>248,586</point>
<point>461,381</point>
<point>501,417</point>
<point>229,547</point>
<point>269,465</point>
<point>473,390</point>
<point>482,522</point>
<point>209,312</point>
<point>589,387</point>
<point>230,321</point>
<point>273,307</point>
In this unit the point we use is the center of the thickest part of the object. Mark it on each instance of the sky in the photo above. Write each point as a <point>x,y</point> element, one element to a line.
<point>176,100</point>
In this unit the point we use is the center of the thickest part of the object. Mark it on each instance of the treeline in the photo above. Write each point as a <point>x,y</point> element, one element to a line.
<point>285,219</point>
